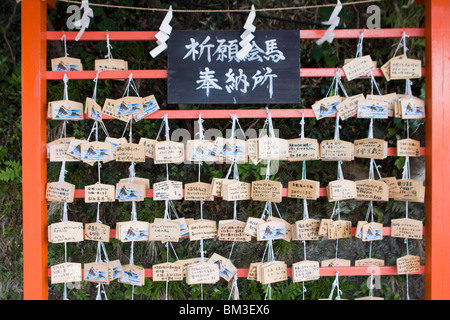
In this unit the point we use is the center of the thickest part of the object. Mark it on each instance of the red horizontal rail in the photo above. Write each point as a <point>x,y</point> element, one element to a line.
<point>323,271</point>
<point>162,74</point>
<point>240,113</point>
<point>304,34</point>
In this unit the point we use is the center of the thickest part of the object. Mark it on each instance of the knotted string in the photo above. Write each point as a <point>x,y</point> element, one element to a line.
<point>359,46</point>
<point>63,38</point>
<point>335,287</point>
<point>131,85</point>
<point>402,44</point>
<point>109,47</point>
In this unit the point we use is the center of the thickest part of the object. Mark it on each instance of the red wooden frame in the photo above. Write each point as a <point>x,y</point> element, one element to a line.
<point>34,117</point>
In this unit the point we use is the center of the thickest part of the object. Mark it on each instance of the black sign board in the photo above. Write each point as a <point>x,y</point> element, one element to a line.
<point>203,68</point>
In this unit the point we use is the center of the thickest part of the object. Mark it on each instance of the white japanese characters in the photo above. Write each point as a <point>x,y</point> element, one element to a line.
<point>235,80</point>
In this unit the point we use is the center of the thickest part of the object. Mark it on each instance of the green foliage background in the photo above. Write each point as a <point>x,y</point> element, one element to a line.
<point>394,14</point>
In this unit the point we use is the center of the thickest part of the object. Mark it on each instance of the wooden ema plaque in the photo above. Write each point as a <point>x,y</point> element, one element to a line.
<point>96,232</point>
<point>164,230</point>
<point>73,149</point>
<point>66,64</point>
<point>326,107</point>
<point>349,106</point>
<point>113,108</point>
<point>126,191</point>
<point>251,226</point>
<point>149,147</point>
<point>407,228</point>
<point>58,152</point>
<point>202,229</point>
<point>408,264</point>
<point>226,269</point>
<point>197,191</point>
<point>339,229</point>
<point>373,107</point>
<point>410,190</point>
<point>97,272</point>
<point>230,150</point>
<point>306,230</point>
<point>323,227</point>
<point>93,110</point>
<point>252,271</point>
<point>405,69</point>
<point>305,271</point>
<point>167,272</point>
<point>200,150</point>
<point>304,189</point>
<point>60,192</point>
<point>202,273</point>
<point>110,64</point>
<point>149,106</point>
<point>96,151</point>
<point>287,226</point>
<point>371,149</point>
<point>391,100</point>
<point>267,190</point>
<point>66,231</point>
<point>358,67</point>
<point>130,152</point>
<point>372,231</point>
<point>234,190</point>
<point>271,230</point>
<point>232,230</point>
<point>99,193</point>
<point>169,152</point>
<point>339,190</point>
<point>272,148</point>
<point>408,148</point>
<point>182,223</point>
<point>303,149</point>
<point>412,108</point>
<point>168,190</point>
<point>128,231</point>
<point>115,270</point>
<point>372,190</point>
<point>386,68</point>
<point>66,110</point>
<point>66,140</point>
<point>137,180</point>
<point>216,187</point>
<point>115,142</point>
<point>66,272</point>
<point>336,150</point>
<point>133,275</point>
<point>369,262</point>
<point>336,263</point>
<point>272,272</point>
<point>369,231</point>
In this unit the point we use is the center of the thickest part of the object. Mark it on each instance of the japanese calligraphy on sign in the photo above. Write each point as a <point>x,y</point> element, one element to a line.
<point>203,68</point>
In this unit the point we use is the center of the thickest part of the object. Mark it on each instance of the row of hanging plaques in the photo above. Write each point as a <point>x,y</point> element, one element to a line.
<point>232,190</point>
<point>210,270</point>
<point>231,230</point>
<point>222,150</point>
<point>363,107</point>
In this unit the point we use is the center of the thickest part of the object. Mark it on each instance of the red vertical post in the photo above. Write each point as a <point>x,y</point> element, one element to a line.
<point>437,217</point>
<point>34,162</point>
